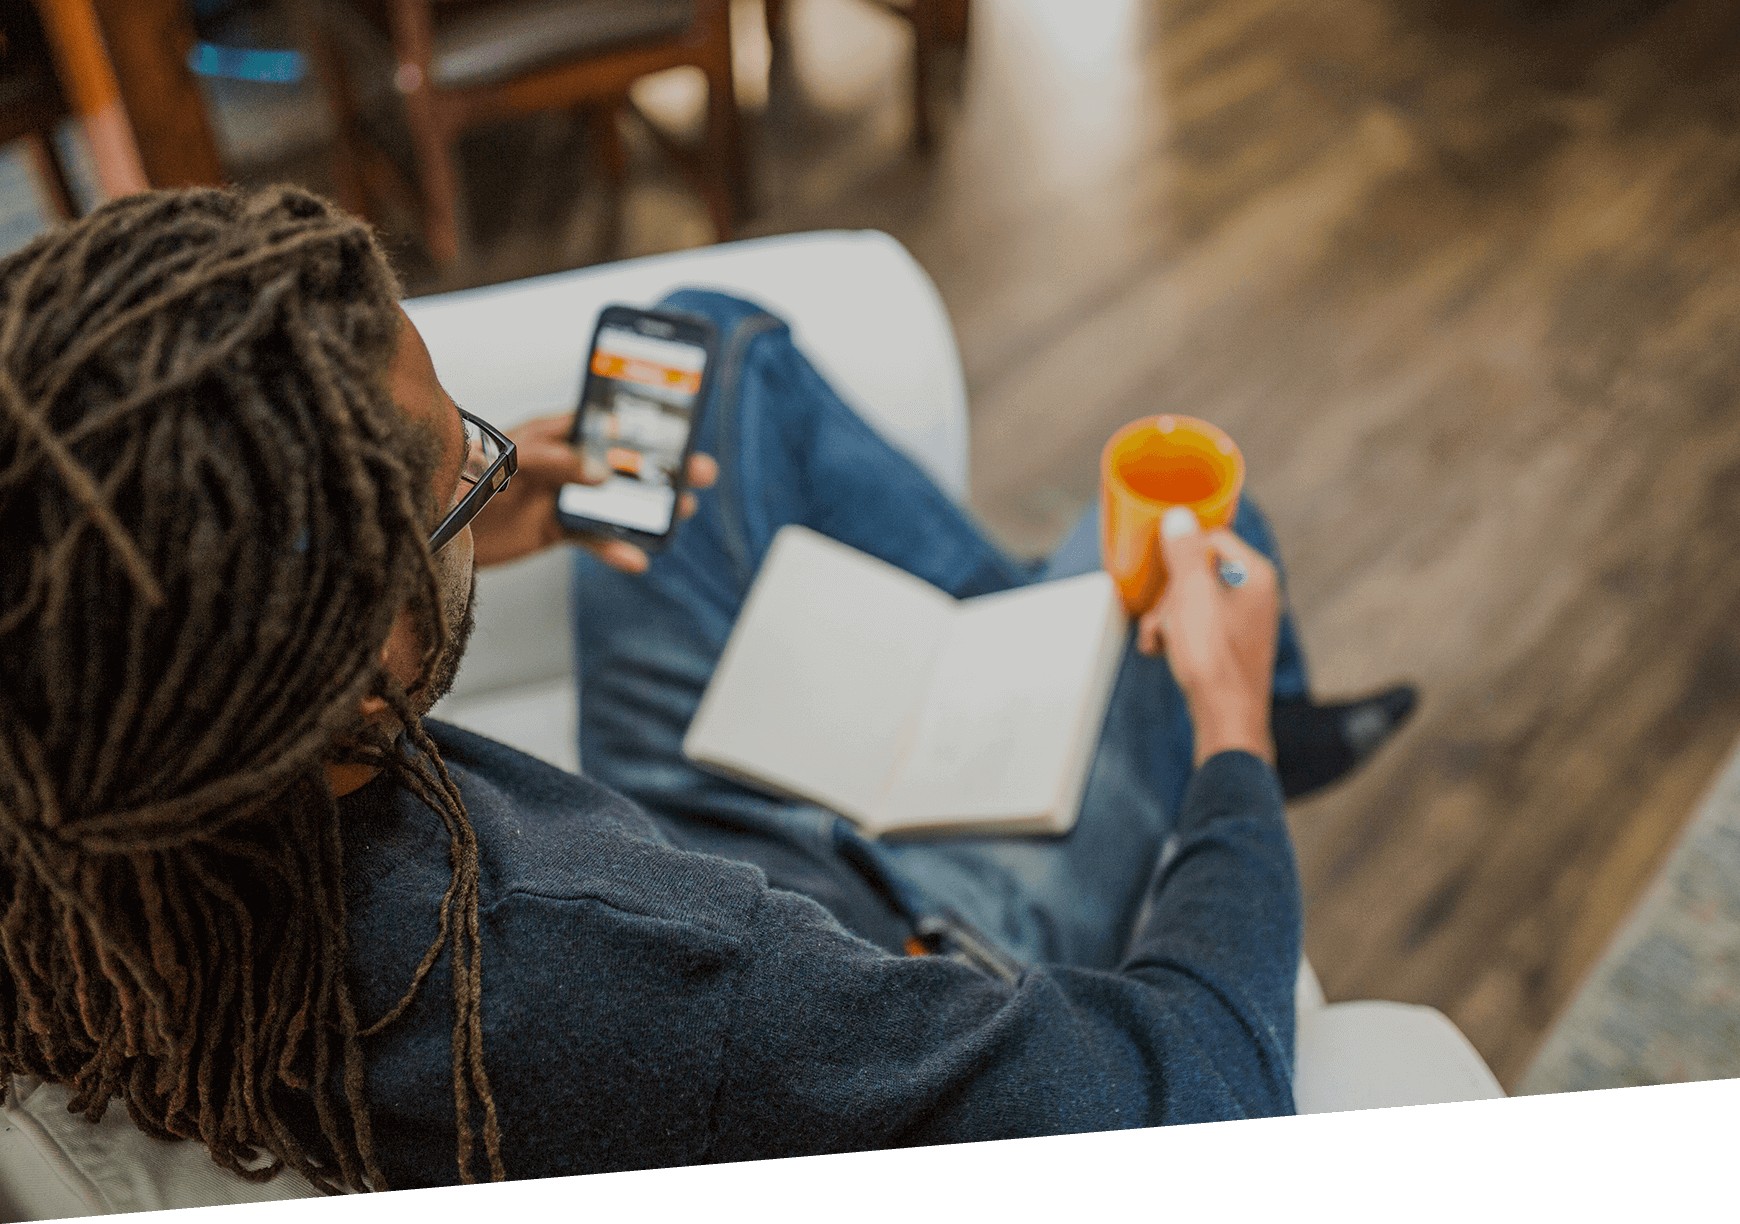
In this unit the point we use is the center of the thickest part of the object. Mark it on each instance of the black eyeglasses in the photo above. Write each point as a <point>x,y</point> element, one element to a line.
<point>490,462</point>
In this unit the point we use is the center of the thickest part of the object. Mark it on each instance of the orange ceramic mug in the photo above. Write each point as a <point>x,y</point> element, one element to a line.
<point>1148,467</point>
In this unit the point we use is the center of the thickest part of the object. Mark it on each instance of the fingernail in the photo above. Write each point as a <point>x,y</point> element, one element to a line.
<point>1178,521</point>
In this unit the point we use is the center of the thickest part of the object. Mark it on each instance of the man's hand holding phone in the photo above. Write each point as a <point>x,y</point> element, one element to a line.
<point>521,519</point>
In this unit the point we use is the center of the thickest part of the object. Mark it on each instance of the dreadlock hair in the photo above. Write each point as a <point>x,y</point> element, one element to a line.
<point>212,513</point>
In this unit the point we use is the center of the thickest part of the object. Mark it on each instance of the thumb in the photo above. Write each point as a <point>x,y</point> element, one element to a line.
<point>1182,545</point>
<point>555,462</point>
<point>1184,549</point>
<point>589,468</point>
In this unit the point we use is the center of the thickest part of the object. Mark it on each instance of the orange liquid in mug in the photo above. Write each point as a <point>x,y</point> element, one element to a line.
<point>1176,479</point>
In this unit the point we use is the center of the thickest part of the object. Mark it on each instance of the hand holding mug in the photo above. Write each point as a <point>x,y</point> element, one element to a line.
<point>1219,640</point>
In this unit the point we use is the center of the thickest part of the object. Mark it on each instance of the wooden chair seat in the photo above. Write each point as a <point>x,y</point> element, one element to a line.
<point>497,43</point>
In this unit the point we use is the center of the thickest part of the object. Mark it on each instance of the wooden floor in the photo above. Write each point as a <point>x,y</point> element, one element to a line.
<point>1462,278</point>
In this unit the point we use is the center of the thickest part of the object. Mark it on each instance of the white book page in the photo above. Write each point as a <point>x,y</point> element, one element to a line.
<point>1115,631</point>
<point>1000,729</point>
<point>831,654</point>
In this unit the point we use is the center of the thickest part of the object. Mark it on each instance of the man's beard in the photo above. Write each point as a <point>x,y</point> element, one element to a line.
<point>460,621</point>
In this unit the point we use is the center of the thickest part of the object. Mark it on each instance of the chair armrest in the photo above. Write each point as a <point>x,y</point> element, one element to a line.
<point>1369,1055</point>
<point>1307,991</point>
<point>54,1164</point>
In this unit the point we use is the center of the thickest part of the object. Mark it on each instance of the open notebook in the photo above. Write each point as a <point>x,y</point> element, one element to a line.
<point>850,683</point>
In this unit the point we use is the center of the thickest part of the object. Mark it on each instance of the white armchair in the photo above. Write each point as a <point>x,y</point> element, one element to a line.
<point>871,321</point>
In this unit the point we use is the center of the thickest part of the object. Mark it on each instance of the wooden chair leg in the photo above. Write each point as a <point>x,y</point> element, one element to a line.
<point>715,183</point>
<point>951,25</point>
<point>51,175</point>
<point>606,138</point>
<point>925,18</point>
<point>724,153</point>
<point>349,173</point>
<point>703,168</point>
<point>610,155</point>
<point>722,162</point>
<point>433,129</point>
<point>437,176</point>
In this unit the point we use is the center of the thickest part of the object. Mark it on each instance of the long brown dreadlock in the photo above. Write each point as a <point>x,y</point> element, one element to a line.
<point>211,512</point>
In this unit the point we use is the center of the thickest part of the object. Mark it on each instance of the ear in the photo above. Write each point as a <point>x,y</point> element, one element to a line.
<point>373,708</point>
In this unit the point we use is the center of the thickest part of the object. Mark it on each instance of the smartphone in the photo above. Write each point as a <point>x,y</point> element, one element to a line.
<point>646,379</point>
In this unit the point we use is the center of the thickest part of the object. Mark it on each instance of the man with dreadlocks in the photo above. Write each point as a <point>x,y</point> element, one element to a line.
<point>248,892</point>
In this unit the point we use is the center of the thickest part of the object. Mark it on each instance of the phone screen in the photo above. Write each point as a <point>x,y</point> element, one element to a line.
<point>640,402</point>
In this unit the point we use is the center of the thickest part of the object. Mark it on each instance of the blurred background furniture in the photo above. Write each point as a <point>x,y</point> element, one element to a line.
<point>146,45</point>
<point>460,63</point>
<point>32,103</point>
<point>131,74</point>
<point>935,24</point>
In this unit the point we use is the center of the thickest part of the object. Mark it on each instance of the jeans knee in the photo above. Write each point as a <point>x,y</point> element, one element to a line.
<point>1252,526</point>
<point>723,309</point>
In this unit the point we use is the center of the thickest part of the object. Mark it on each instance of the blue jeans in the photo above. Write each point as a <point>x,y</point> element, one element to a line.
<point>790,451</point>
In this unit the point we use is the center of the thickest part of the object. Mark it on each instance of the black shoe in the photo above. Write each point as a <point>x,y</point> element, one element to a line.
<point>1316,745</point>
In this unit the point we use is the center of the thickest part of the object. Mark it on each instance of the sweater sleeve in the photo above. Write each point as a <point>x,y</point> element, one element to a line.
<point>836,1046</point>
<point>1220,935</point>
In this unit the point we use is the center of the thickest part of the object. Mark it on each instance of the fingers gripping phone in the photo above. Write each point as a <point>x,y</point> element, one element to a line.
<point>646,380</point>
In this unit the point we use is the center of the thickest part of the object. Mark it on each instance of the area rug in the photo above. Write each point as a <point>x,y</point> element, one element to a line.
<point>1663,1004</point>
